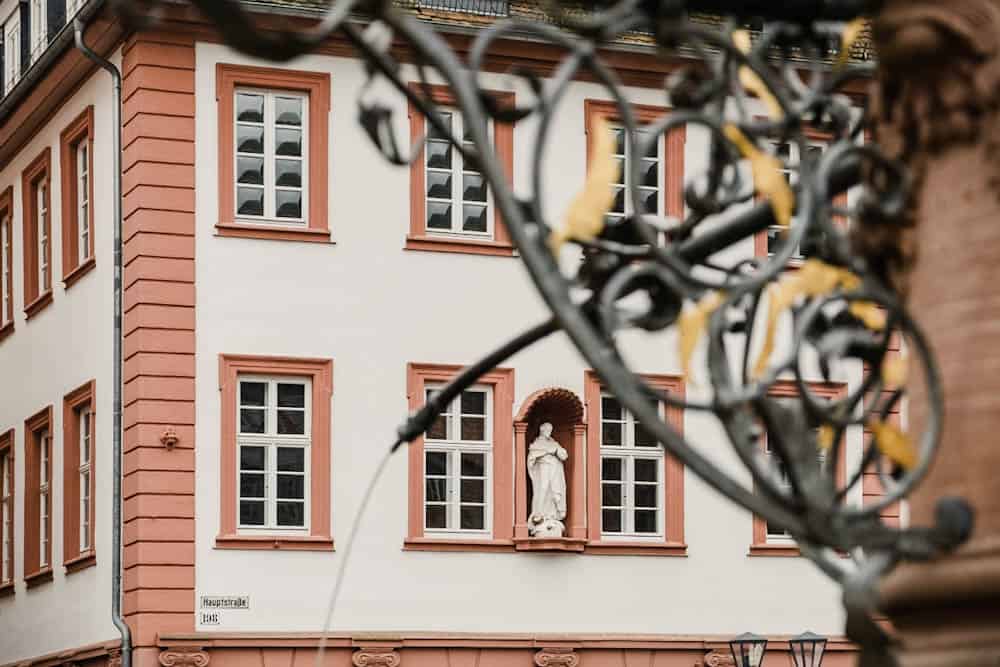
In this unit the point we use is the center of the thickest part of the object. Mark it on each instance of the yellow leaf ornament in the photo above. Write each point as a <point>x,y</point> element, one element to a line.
<point>894,444</point>
<point>767,176</point>
<point>692,322</point>
<point>850,35</point>
<point>752,82</point>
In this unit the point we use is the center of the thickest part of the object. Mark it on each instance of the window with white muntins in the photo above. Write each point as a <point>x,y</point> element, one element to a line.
<point>42,234</point>
<point>650,179</point>
<point>632,476</point>
<point>458,201</point>
<point>11,51</point>
<point>5,270</point>
<point>85,422</point>
<point>44,451</point>
<point>776,534</point>
<point>6,516</point>
<point>83,200</point>
<point>271,146</point>
<point>39,28</point>
<point>791,157</point>
<point>274,439</point>
<point>458,462</point>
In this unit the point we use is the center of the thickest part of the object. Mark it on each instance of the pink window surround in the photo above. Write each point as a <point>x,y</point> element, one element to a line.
<point>501,380</point>
<point>563,409</point>
<point>673,544</point>
<point>320,372</point>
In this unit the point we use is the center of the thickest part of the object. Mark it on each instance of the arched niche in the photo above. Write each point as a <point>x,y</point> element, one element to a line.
<point>564,410</point>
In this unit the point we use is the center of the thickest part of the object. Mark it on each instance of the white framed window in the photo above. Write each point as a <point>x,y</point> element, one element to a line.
<point>39,28</point>
<point>6,516</point>
<point>272,130</point>
<point>83,200</point>
<point>632,476</point>
<point>44,491</point>
<point>274,440</point>
<point>42,233</point>
<point>791,157</point>
<point>650,176</point>
<point>11,51</point>
<point>5,270</point>
<point>458,464</point>
<point>458,201</point>
<point>776,534</point>
<point>86,429</point>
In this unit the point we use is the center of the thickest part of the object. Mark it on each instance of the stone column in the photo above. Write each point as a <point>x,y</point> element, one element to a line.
<point>936,104</point>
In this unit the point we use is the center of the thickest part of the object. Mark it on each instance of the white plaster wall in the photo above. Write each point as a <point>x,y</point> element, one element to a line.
<point>373,307</point>
<point>65,345</point>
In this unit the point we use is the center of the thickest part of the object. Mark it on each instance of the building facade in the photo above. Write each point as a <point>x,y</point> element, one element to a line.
<point>289,296</point>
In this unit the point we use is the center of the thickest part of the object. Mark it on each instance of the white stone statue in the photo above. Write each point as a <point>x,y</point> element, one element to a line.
<point>548,485</point>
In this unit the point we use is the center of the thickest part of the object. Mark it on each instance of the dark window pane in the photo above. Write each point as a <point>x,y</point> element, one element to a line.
<point>650,200</point>
<point>438,216</point>
<point>619,134</point>
<point>473,218</point>
<point>611,521</point>
<point>250,108</point>
<point>621,171</point>
<point>291,459</point>
<point>649,173</point>
<point>249,201</point>
<point>288,173</point>
<point>437,463</point>
<point>645,495</point>
<point>783,151</point>
<point>813,153</point>
<point>287,142</point>
<point>611,434</point>
<point>473,465</point>
<point>251,420</point>
<point>253,393</point>
<point>473,402</point>
<point>439,184</point>
<point>251,458</point>
<point>251,485</point>
<point>435,516</point>
<point>474,428</point>
<point>432,133</point>
<point>610,408</point>
<point>435,490</point>
<point>288,111</point>
<point>653,150</point>
<point>291,514</point>
<point>472,517</point>
<point>249,139</point>
<point>473,491</point>
<point>775,530</point>
<point>289,203</point>
<point>646,470</point>
<point>474,187</point>
<point>611,469</point>
<point>645,521</point>
<point>618,205</point>
<point>291,486</point>
<point>291,395</point>
<point>250,170</point>
<point>643,438</point>
<point>611,495</point>
<point>438,154</point>
<point>252,512</point>
<point>438,429</point>
<point>291,422</point>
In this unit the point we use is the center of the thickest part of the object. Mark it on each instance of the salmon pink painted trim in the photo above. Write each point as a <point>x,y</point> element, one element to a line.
<point>673,160</point>
<point>503,144</point>
<point>7,448</point>
<point>78,399</point>
<point>673,543</point>
<point>36,296</point>
<point>789,388</point>
<point>502,382</point>
<point>320,372</point>
<point>34,573</point>
<point>317,86</point>
<point>80,130</point>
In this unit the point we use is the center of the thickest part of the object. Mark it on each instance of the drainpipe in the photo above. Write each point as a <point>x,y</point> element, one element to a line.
<point>116,506</point>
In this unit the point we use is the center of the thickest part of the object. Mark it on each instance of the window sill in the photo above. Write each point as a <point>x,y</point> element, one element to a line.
<point>6,330</point>
<point>271,542</point>
<point>81,562</point>
<point>79,272</point>
<point>38,305</point>
<point>676,549</point>
<point>272,232</point>
<point>775,550</point>
<point>43,576</point>
<point>7,590</point>
<point>457,245</point>
<point>449,544</point>
<point>556,544</point>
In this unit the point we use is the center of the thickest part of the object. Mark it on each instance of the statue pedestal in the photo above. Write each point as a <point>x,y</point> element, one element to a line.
<point>570,544</point>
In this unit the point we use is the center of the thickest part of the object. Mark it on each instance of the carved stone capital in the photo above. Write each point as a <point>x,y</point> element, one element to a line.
<point>184,657</point>
<point>557,657</point>
<point>376,657</point>
<point>716,659</point>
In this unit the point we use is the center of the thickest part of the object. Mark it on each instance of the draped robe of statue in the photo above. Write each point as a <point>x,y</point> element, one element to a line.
<point>548,485</point>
